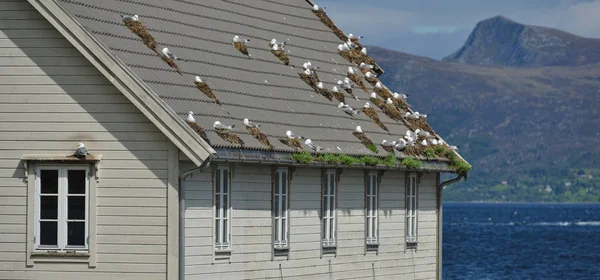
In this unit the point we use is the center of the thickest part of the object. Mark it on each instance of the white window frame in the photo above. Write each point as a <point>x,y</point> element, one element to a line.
<point>62,211</point>
<point>328,207</point>
<point>412,208</point>
<point>222,215</point>
<point>372,209</point>
<point>281,190</point>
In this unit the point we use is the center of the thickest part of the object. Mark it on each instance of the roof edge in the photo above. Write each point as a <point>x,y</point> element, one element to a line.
<point>129,84</point>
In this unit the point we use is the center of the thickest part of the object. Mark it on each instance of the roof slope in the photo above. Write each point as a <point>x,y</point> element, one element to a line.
<point>259,87</point>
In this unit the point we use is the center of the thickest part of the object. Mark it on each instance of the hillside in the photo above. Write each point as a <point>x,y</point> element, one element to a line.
<point>537,129</point>
<point>502,42</point>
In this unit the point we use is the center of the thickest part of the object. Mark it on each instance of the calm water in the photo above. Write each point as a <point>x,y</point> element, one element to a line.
<point>521,241</point>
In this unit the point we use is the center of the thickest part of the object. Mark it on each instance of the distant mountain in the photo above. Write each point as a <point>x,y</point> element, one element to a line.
<point>500,41</point>
<point>537,129</point>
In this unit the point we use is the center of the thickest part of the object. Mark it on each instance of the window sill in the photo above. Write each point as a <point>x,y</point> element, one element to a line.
<point>223,255</point>
<point>72,257</point>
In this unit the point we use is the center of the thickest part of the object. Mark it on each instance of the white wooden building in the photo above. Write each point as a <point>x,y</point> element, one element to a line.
<point>154,199</point>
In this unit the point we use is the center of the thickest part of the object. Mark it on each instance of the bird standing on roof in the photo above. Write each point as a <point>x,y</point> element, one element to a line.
<point>281,44</point>
<point>254,130</point>
<point>169,54</point>
<point>317,8</point>
<point>240,44</point>
<point>219,125</point>
<point>354,37</point>
<point>366,66</point>
<point>204,88</point>
<point>292,140</point>
<point>195,127</point>
<point>400,145</point>
<point>363,51</point>
<point>454,148</point>
<point>372,114</point>
<point>399,96</point>
<point>81,151</point>
<point>224,131</point>
<point>313,146</point>
<point>351,44</point>
<point>355,78</point>
<point>388,146</point>
<point>347,86</point>
<point>130,17</point>
<point>371,77</point>
<point>348,110</point>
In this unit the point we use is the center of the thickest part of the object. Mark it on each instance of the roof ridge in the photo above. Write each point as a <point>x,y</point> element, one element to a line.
<point>267,10</point>
<point>199,26</point>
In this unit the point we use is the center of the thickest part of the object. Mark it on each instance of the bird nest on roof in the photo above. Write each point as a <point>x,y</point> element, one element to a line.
<point>358,81</point>
<point>204,88</point>
<point>292,143</point>
<point>415,150</point>
<point>139,29</point>
<point>228,136</point>
<point>329,23</point>
<point>261,137</point>
<point>241,46</point>
<point>311,80</point>
<point>171,63</point>
<point>326,93</point>
<point>420,123</point>
<point>282,55</point>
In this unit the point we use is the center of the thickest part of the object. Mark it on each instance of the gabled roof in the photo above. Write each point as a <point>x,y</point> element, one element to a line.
<point>259,86</point>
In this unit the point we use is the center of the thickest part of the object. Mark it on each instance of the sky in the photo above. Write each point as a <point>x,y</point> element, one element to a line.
<point>437,28</point>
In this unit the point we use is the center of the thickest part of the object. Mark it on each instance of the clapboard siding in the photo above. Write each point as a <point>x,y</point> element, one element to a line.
<point>52,98</point>
<point>251,228</point>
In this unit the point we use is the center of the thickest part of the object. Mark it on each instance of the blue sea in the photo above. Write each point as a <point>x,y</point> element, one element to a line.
<point>521,241</point>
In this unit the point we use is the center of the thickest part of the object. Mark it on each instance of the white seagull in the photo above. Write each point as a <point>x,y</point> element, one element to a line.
<point>169,54</point>
<point>434,142</point>
<point>352,36</point>
<point>219,125</point>
<point>351,44</point>
<point>198,80</point>
<point>454,148</point>
<point>424,142</point>
<point>316,8</point>
<point>350,70</point>
<point>343,47</point>
<point>308,65</point>
<point>370,75</point>
<point>275,42</point>
<point>190,117</point>
<point>400,145</point>
<point>132,18</point>
<point>385,143</point>
<point>399,96</point>
<point>236,39</point>
<point>81,151</point>
<point>348,110</point>
<point>320,85</point>
<point>275,47</point>
<point>389,101</point>
<point>366,66</point>
<point>313,146</point>
<point>363,51</point>
<point>291,135</point>
<point>250,124</point>
<point>378,85</point>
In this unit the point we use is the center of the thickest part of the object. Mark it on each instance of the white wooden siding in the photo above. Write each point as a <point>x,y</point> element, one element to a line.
<point>251,235</point>
<point>51,98</point>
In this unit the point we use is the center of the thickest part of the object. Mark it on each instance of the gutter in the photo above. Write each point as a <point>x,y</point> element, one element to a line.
<point>439,192</point>
<point>205,165</point>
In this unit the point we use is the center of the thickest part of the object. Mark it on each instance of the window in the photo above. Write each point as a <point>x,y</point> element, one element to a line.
<point>329,226</point>
<point>280,209</point>
<point>411,208</point>
<point>372,232</point>
<point>62,208</point>
<point>222,208</point>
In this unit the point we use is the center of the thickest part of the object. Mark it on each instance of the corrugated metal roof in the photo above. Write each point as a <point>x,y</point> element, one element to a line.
<point>259,87</point>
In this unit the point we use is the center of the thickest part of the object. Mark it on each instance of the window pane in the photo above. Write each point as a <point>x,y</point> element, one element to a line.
<point>284,232</point>
<point>218,232</point>
<point>49,181</point>
<point>218,181</point>
<point>48,233</point>
<point>369,205</point>
<point>76,233</point>
<point>284,182</point>
<point>225,230</point>
<point>331,227</point>
<point>331,205</point>
<point>332,183</point>
<point>324,228</point>
<point>225,206</point>
<point>277,210</point>
<point>49,207</point>
<point>217,206</point>
<point>225,181</point>
<point>283,206</point>
<point>277,180</point>
<point>76,180</point>
<point>76,208</point>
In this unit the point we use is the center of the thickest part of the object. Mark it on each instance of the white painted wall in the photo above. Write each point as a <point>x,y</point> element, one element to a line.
<point>52,98</point>
<point>251,233</point>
